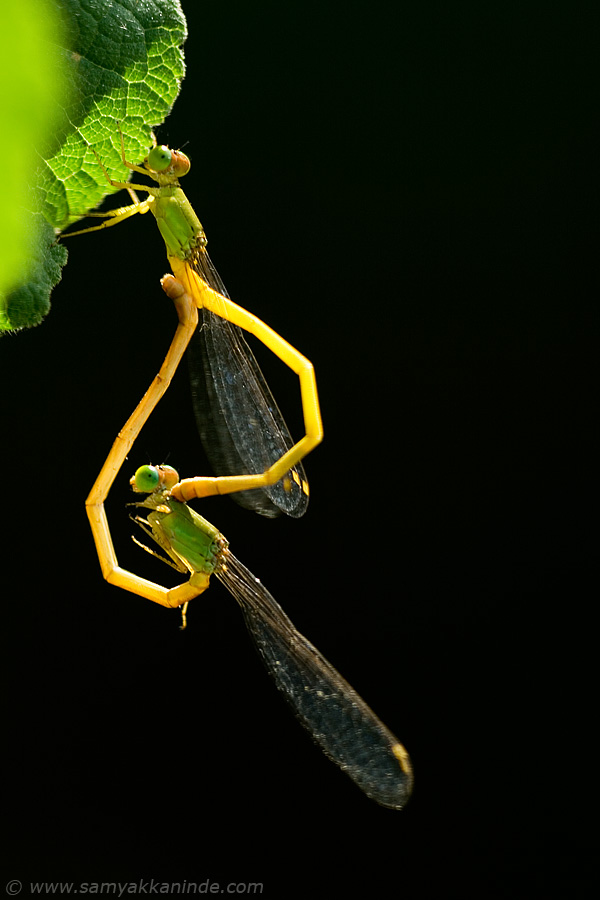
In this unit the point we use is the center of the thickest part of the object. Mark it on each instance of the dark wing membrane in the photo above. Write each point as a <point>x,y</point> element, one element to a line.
<point>240,425</point>
<point>341,723</point>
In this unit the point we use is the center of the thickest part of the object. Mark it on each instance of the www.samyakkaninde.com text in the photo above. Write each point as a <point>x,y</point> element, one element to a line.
<point>124,888</point>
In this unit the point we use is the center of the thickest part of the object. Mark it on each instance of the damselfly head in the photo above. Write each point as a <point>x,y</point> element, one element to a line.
<point>164,161</point>
<point>150,479</point>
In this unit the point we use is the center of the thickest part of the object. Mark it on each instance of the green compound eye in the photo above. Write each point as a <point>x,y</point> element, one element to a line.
<point>160,158</point>
<point>146,480</point>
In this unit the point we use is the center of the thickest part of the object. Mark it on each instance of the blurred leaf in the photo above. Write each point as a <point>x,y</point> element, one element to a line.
<point>32,85</point>
<point>122,63</point>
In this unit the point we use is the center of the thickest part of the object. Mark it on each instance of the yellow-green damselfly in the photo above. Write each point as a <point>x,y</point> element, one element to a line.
<point>338,719</point>
<point>241,427</point>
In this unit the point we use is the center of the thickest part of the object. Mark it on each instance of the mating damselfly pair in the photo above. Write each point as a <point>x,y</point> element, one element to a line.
<point>256,460</point>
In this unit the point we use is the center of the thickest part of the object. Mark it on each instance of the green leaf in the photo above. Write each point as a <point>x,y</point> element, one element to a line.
<point>31,301</point>
<point>32,83</point>
<point>118,64</point>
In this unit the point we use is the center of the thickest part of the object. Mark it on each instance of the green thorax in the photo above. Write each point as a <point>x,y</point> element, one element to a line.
<point>184,535</point>
<point>179,225</point>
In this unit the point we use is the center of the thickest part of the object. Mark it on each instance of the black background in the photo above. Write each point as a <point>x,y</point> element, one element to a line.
<point>404,192</point>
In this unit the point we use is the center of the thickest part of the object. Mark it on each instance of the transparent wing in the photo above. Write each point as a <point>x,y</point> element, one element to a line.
<point>341,723</point>
<point>241,427</point>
